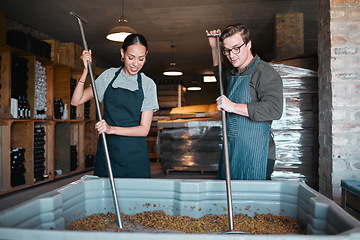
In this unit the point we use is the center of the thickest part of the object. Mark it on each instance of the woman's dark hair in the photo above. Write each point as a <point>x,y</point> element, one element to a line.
<point>133,39</point>
<point>236,28</point>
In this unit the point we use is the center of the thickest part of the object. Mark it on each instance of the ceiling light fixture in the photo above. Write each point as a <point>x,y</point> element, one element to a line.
<point>172,71</point>
<point>209,79</point>
<point>119,33</point>
<point>194,86</point>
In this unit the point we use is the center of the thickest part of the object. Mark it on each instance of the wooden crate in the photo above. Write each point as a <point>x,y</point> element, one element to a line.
<point>67,54</point>
<point>5,133</point>
<point>91,138</point>
<point>77,139</point>
<point>62,83</point>
<point>49,68</point>
<point>62,76</point>
<point>68,134</point>
<point>22,136</point>
<point>74,50</point>
<point>62,147</point>
<point>55,50</point>
<point>64,57</point>
<point>5,76</point>
<point>60,53</point>
<point>49,147</point>
<point>170,96</point>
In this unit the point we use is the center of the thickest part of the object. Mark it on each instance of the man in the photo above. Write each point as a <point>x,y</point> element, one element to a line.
<point>254,98</point>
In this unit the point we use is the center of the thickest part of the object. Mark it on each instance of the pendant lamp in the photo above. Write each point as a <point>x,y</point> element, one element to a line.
<point>172,71</point>
<point>194,86</point>
<point>209,78</point>
<point>119,33</point>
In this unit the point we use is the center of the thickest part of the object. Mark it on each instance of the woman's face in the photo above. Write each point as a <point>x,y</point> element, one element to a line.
<point>134,58</point>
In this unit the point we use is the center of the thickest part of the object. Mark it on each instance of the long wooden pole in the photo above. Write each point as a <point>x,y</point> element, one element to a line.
<point>225,141</point>
<point>98,111</point>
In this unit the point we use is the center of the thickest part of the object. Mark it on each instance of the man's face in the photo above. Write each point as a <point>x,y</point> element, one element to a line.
<point>242,58</point>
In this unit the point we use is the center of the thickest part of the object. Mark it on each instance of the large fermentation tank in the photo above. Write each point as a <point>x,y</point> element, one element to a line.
<point>46,216</point>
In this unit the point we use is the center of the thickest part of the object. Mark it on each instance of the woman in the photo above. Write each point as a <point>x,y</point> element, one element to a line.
<point>129,99</point>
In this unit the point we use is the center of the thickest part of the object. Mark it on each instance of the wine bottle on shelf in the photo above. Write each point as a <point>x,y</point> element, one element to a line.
<point>27,108</point>
<point>20,109</point>
<point>39,152</point>
<point>17,167</point>
<point>73,158</point>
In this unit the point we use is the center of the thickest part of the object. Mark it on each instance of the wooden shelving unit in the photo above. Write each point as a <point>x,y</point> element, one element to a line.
<point>60,134</point>
<point>63,137</point>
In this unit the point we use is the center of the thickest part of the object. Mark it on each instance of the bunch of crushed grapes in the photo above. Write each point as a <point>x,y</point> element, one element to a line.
<point>159,221</point>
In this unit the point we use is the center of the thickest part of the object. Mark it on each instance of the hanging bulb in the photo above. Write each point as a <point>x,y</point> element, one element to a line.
<point>194,86</point>
<point>172,71</point>
<point>119,33</point>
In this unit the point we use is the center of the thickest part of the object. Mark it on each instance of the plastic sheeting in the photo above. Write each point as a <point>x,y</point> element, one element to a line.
<point>195,144</point>
<point>296,133</point>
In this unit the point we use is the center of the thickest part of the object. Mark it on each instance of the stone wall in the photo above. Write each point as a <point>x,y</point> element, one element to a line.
<point>339,94</point>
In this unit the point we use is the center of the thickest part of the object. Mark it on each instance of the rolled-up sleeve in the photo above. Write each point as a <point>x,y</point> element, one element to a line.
<point>150,95</point>
<point>269,91</point>
<point>102,83</point>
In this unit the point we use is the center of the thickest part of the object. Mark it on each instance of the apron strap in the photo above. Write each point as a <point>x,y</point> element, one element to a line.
<point>253,66</point>
<point>235,80</point>
<point>117,74</point>
<point>139,81</point>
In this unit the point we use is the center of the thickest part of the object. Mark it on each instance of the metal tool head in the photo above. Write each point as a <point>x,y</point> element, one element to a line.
<point>78,17</point>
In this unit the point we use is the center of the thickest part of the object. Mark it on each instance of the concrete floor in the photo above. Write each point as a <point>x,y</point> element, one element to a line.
<point>15,198</point>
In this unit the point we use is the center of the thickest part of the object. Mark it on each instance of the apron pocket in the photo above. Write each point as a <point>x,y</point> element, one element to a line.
<point>231,125</point>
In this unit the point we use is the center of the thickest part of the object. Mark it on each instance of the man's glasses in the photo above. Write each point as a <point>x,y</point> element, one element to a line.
<point>235,50</point>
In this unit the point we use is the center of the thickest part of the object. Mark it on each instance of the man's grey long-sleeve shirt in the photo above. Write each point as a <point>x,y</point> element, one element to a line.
<point>266,90</point>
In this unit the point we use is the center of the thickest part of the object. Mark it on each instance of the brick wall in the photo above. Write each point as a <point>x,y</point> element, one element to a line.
<point>289,35</point>
<point>339,94</point>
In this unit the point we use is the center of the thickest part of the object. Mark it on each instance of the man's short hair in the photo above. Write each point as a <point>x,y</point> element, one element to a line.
<point>236,28</point>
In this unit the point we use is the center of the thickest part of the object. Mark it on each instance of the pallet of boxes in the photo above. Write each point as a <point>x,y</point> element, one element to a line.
<point>191,140</point>
<point>170,95</point>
